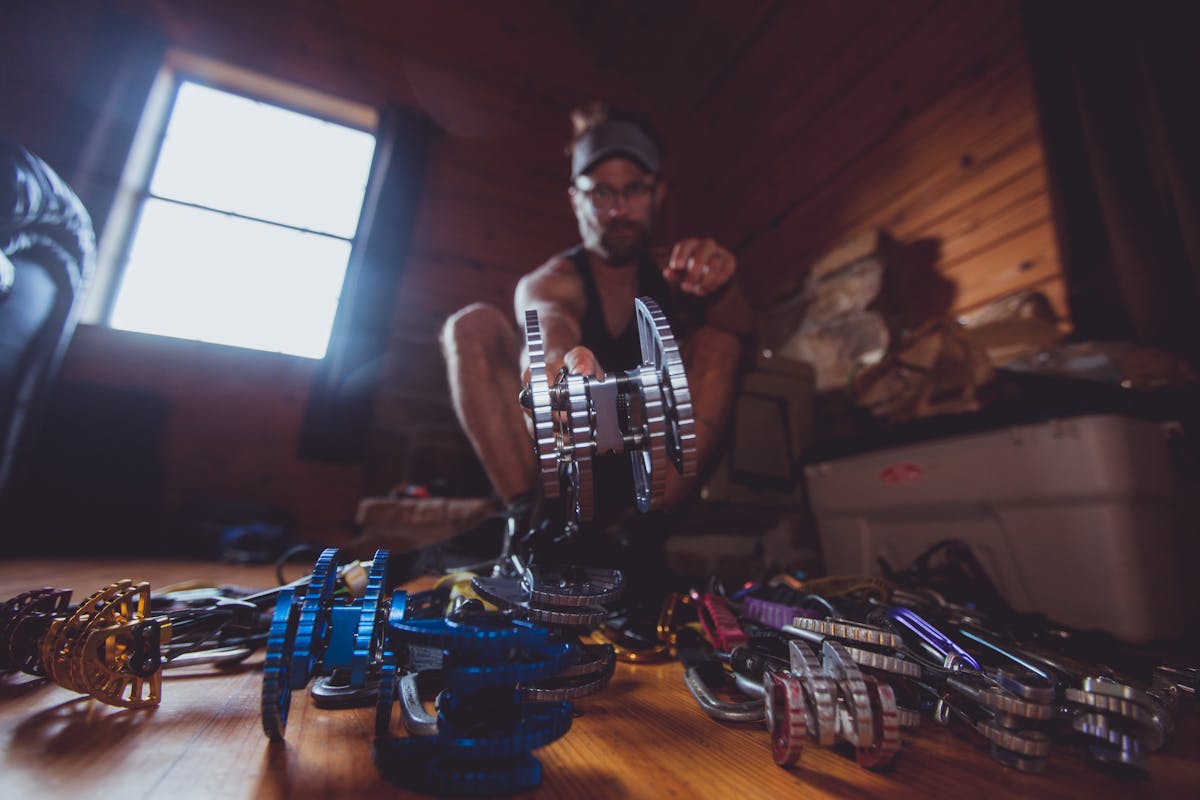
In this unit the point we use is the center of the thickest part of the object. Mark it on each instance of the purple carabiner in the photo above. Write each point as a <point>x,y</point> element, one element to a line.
<point>930,635</point>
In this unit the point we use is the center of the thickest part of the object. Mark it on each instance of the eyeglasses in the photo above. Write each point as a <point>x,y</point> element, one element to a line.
<point>604,197</point>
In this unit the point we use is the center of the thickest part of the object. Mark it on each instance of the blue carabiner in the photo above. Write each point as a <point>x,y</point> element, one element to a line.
<point>931,636</point>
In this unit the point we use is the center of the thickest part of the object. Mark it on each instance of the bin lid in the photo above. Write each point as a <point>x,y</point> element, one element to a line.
<point>1015,399</point>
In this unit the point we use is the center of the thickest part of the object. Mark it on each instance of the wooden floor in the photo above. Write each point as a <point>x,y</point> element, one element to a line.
<point>643,736</point>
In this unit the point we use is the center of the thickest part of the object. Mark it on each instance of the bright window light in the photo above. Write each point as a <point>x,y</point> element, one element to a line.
<point>246,227</point>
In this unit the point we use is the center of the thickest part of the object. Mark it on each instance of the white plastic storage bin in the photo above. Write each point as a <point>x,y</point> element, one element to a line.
<point>1073,517</point>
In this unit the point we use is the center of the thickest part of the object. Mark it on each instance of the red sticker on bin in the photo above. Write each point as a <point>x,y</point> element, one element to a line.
<point>906,472</point>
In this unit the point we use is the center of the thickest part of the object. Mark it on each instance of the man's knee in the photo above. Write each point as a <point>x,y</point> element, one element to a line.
<point>479,327</point>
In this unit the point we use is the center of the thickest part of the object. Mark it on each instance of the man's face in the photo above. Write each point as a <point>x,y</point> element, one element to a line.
<point>614,203</point>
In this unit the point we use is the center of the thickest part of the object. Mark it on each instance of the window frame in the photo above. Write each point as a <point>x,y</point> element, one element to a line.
<point>133,189</point>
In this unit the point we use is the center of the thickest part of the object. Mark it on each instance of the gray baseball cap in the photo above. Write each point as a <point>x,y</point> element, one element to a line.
<point>614,138</point>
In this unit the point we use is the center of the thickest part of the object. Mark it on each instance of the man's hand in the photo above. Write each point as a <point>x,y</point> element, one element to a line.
<point>578,361</point>
<point>582,361</point>
<point>699,266</point>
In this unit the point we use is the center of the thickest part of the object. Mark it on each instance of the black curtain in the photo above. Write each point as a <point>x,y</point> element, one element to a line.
<point>337,419</point>
<point>125,56</point>
<point>1117,97</point>
<point>78,112</point>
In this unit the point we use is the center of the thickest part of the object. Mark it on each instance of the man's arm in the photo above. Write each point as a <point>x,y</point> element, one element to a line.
<point>702,271</point>
<point>711,358</point>
<point>555,291</point>
<point>703,274</point>
<point>730,311</point>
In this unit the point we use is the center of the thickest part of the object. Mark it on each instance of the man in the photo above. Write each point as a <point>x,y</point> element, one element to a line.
<point>584,299</point>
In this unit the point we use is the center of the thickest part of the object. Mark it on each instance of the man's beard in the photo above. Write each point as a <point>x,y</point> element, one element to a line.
<point>625,243</point>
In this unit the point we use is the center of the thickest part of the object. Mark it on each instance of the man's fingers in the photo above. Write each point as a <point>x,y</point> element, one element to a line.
<point>581,361</point>
<point>705,265</point>
<point>681,255</point>
<point>699,266</point>
<point>694,266</point>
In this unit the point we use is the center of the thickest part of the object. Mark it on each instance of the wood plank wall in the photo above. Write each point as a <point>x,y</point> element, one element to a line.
<point>913,116</point>
<point>498,81</point>
<point>811,121</point>
<point>231,428</point>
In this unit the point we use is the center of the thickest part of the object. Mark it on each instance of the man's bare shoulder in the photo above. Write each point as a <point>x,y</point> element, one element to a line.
<point>556,282</point>
<point>556,269</point>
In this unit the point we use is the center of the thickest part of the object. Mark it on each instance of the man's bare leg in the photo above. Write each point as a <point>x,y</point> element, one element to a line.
<point>483,355</point>
<point>710,358</point>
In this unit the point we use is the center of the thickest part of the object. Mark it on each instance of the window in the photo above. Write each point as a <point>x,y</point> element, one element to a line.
<point>241,230</point>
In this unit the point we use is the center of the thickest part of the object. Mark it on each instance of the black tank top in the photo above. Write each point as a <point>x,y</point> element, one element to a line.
<point>612,473</point>
<point>624,351</point>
